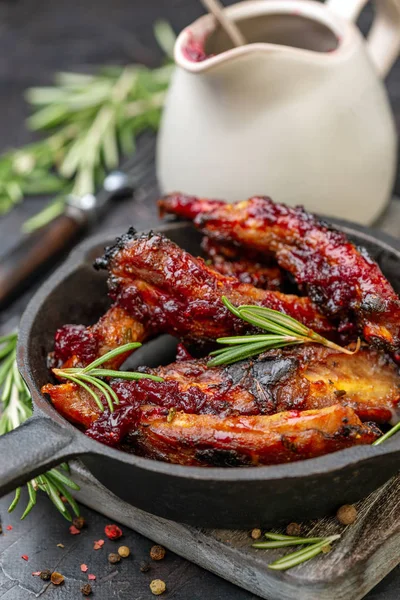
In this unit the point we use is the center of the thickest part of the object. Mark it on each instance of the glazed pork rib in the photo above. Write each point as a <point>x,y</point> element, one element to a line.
<point>212,440</point>
<point>207,440</point>
<point>168,290</point>
<point>297,378</point>
<point>341,279</point>
<point>78,345</point>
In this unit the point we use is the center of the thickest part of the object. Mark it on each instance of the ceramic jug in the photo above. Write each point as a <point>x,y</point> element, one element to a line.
<point>299,113</point>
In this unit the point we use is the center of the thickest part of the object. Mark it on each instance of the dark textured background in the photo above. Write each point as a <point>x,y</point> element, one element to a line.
<point>37,38</point>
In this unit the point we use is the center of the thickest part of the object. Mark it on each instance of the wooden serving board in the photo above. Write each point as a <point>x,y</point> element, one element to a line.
<point>367,551</point>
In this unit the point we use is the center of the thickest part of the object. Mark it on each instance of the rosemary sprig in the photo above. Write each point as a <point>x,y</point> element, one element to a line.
<point>93,119</point>
<point>314,546</point>
<point>90,377</point>
<point>16,407</point>
<point>283,331</point>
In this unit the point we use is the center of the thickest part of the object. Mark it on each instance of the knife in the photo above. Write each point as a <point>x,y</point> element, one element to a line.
<point>37,249</point>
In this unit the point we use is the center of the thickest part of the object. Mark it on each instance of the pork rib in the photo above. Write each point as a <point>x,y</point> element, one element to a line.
<point>209,439</point>
<point>206,440</point>
<point>169,290</point>
<point>297,378</point>
<point>340,278</point>
<point>78,345</point>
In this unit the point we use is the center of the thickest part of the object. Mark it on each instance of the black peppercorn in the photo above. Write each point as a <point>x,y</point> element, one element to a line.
<point>144,567</point>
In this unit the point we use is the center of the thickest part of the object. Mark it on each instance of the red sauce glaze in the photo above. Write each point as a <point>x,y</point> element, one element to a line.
<point>182,353</point>
<point>112,428</point>
<point>74,340</point>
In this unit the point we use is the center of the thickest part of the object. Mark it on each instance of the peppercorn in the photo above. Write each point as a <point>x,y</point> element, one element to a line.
<point>113,532</point>
<point>57,578</point>
<point>86,589</point>
<point>113,558</point>
<point>144,567</point>
<point>157,587</point>
<point>79,522</point>
<point>347,514</point>
<point>157,553</point>
<point>293,529</point>
<point>256,534</point>
<point>124,551</point>
<point>45,575</point>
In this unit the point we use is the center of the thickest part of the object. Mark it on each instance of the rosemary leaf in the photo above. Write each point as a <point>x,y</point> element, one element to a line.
<point>234,354</point>
<point>124,374</point>
<point>245,339</point>
<point>280,536</point>
<point>16,500</point>
<point>387,435</point>
<point>54,495</point>
<point>27,510</point>
<point>48,184</point>
<point>274,317</point>
<point>112,354</point>
<point>257,320</point>
<point>63,479</point>
<point>63,491</point>
<point>296,558</point>
<point>47,117</point>
<point>67,79</point>
<point>31,492</point>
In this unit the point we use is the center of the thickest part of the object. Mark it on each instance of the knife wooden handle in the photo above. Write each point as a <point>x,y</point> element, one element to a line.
<point>20,264</point>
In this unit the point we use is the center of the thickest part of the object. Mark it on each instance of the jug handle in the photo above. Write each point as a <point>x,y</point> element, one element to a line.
<point>383,41</point>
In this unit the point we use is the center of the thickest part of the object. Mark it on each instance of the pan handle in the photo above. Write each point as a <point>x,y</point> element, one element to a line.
<point>33,448</point>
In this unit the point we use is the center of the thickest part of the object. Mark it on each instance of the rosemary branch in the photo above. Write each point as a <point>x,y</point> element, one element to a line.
<point>314,546</point>
<point>93,120</point>
<point>16,407</point>
<point>90,378</point>
<point>283,331</point>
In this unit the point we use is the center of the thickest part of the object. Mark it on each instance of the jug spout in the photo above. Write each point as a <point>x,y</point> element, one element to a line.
<point>279,26</point>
